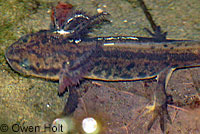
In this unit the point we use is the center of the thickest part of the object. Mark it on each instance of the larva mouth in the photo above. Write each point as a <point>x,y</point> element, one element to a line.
<point>14,60</point>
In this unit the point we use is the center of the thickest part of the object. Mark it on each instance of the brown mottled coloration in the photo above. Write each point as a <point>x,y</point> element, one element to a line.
<point>52,56</point>
<point>45,53</point>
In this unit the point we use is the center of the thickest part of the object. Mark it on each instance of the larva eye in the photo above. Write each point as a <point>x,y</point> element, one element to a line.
<point>25,64</point>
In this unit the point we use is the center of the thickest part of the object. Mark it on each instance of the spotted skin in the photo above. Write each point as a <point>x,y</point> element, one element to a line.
<point>45,53</point>
<point>52,56</point>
